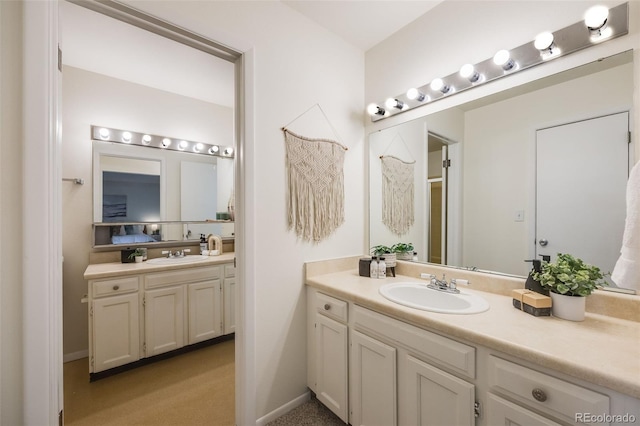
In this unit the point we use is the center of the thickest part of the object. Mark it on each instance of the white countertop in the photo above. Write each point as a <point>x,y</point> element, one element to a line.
<point>602,350</point>
<point>116,269</point>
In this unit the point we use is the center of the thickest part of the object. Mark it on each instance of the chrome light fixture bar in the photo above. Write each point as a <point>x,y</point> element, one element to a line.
<point>127,137</point>
<point>597,27</point>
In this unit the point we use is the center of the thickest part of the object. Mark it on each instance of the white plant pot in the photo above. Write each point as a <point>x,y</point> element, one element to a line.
<point>138,259</point>
<point>405,255</point>
<point>389,259</point>
<point>568,307</point>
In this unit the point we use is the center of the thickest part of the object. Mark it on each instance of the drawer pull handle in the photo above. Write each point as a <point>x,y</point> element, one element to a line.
<point>327,306</point>
<point>116,287</point>
<point>539,395</point>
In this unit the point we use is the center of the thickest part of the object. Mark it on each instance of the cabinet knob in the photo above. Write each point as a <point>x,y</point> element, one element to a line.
<point>327,306</point>
<point>116,287</point>
<point>539,395</point>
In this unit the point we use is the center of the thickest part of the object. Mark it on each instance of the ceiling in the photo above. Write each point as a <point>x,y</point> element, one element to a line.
<point>100,44</point>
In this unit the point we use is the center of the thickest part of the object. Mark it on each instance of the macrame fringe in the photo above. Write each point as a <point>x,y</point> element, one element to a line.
<point>397,194</point>
<point>315,186</point>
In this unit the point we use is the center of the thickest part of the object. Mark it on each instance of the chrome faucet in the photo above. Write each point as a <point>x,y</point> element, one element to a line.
<point>442,285</point>
<point>176,254</point>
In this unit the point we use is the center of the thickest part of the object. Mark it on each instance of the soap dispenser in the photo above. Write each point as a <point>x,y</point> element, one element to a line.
<point>532,284</point>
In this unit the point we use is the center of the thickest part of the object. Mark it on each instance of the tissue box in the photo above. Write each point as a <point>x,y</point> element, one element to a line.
<point>365,267</point>
<point>533,303</point>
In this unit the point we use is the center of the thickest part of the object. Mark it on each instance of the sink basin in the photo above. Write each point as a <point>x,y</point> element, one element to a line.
<point>419,296</point>
<point>177,260</point>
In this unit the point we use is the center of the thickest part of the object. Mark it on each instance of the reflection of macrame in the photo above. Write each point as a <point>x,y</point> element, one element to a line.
<point>397,194</point>
<point>315,198</point>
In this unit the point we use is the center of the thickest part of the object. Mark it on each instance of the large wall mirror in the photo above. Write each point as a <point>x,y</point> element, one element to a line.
<point>148,195</point>
<point>484,172</point>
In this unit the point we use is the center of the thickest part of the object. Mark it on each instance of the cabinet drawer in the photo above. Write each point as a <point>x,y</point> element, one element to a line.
<point>438,350</point>
<point>331,307</point>
<point>229,271</point>
<point>548,394</point>
<point>160,279</point>
<point>114,286</point>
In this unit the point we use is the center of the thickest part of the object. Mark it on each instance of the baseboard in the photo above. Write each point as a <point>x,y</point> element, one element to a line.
<point>284,409</point>
<point>73,356</point>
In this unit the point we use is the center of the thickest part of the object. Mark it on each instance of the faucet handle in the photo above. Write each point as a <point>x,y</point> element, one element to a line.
<point>453,284</point>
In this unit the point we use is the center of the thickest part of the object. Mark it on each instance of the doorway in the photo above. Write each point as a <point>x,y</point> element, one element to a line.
<point>118,12</point>
<point>437,198</point>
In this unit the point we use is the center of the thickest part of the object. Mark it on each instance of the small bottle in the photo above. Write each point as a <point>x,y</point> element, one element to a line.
<point>373,270</point>
<point>203,243</point>
<point>415,256</point>
<point>382,268</point>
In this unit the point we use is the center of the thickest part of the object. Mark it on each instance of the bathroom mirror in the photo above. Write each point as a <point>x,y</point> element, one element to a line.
<point>487,195</point>
<point>149,195</point>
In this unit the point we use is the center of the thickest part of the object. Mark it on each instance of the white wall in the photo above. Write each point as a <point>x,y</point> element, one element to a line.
<point>11,377</point>
<point>89,98</point>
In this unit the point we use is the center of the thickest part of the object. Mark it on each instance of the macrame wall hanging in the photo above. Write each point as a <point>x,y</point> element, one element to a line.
<point>315,184</point>
<point>397,193</point>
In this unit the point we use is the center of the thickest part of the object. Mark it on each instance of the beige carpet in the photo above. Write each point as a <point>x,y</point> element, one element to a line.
<point>196,388</point>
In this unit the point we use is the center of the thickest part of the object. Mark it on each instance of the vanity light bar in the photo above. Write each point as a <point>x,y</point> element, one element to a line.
<point>573,38</point>
<point>107,134</point>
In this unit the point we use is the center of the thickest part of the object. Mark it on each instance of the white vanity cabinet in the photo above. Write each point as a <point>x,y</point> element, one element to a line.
<point>141,315</point>
<point>327,340</point>
<point>114,324</point>
<point>432,376</point>
<point>229,286</point>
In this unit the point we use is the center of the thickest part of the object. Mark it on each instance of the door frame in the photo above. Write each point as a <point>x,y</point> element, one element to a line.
<point>42,206</point>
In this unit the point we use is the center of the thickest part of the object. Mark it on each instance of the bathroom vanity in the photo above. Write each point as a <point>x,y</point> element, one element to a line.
<point>373,361</point>
<point>140,310</point>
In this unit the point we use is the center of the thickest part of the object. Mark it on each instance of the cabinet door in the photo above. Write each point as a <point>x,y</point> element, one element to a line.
<point>116,332</point>
<point>164,320</point>
<point>229,305</point>
<point>331,365</point>
<point>372,374</point>
<point>503,412</point>
<point>436,398</point>
<point>205,311</point>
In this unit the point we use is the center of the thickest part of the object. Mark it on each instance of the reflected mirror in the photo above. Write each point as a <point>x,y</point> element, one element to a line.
<point>478,170</point>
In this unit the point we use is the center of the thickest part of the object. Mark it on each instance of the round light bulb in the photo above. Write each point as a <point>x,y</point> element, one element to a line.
<point>104,133</point>
<point>126,137</point>
<point>543,41</point>
<point>374,109</point>
<point>214,149</point>
<point>228,151</point>
<point>437,84</point>
<point>166,142</point>
<point>501,58</point>
<point>198,147</point>
<point>415,95</point>
<point>467,70</point>
<point>182,145</point>
<point>394,103</point>
<point>596,17</point>
<point>146,139</point>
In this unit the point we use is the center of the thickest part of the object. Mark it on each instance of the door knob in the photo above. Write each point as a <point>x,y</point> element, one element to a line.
<point>543,242</point>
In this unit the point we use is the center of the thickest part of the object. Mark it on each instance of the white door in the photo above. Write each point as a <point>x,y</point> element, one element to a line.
<point>435,397</point>
<point>164,320</point>
<point>372,376</point>
<point>581,176</point>
<point>331,365</point>
<point>205,311</point>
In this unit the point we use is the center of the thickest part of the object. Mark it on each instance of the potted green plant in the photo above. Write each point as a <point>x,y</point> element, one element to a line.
<point>403,251</point>
<point>386,252</point>
<point>569,281</point>
<point>137,254</point>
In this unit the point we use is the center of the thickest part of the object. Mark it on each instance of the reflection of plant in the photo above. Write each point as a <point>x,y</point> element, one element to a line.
<point>137,252</point>
<point>380,249</point>
<point>402,248</point>
<point>570,276</point>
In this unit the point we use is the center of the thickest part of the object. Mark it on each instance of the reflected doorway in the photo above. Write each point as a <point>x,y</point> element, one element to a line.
<point>439,162</point>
